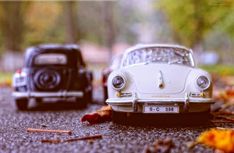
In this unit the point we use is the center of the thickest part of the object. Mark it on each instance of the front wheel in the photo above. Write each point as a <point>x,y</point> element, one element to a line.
<point>22,104</point>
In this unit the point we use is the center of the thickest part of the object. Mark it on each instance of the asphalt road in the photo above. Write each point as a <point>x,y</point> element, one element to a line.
<point>116,138</point>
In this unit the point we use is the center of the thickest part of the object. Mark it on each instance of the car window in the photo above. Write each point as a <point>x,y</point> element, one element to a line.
<point>50,59</point>
<point>167,55</point>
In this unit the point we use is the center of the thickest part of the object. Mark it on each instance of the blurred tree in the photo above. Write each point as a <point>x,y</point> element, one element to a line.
<point>70,12</point>
<point>44,23</point>
<point>227,23</point>
<point>109,26</point>
<point>192,20</point>
<point>12,25</point>
<point>95,18</point>
<point>97,23</point>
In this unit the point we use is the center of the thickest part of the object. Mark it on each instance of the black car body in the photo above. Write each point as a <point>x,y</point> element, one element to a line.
<point>52,71</point>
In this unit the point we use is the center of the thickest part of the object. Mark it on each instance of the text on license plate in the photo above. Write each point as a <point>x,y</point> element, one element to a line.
<point>161,109</point>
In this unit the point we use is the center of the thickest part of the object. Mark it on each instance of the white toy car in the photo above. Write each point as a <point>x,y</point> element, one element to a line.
<point>159,79</point>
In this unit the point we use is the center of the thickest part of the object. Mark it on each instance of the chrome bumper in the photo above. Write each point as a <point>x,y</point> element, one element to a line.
<point>47,94</point>
<point>137,105</point>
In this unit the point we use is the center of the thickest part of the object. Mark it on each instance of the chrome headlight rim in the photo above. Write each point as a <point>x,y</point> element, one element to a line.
<point>208,82</point>
<point>122,86</point>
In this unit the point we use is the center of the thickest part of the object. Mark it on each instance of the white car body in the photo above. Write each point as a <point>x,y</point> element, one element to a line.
<point>155,86</point>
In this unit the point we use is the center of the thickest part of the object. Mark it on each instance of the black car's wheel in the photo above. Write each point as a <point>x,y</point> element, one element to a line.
<point>89,97</point>
<point>22,104</point>
<point>105,94</point>
<point>82,102</point>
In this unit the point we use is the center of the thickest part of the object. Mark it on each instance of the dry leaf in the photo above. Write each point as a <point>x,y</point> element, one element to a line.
<point>99,116</point>
<point>221,139</point>
<point>6,83</point>
<point>226,95</point>
<point>160,146</point>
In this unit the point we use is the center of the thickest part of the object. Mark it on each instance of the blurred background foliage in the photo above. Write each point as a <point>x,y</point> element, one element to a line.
<point>192,20</point>
<point>204,25</point>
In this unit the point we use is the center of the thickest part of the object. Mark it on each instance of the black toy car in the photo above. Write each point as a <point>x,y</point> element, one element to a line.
<point>52,71</point>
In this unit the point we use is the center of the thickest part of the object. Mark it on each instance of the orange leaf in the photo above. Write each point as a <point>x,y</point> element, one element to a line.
<point>222,139</point>
<point>99,116</point>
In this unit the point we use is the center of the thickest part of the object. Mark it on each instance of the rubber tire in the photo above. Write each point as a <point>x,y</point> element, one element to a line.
<point>89,97</point>
<point>82,102</point>
<point>22,104</point>
<point>105,94</point>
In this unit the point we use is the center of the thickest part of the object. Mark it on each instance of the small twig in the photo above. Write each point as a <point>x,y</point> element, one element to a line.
<point>50,131</point>
<point>84,138</point>
<point>51,141</point>
<point>73,139</point>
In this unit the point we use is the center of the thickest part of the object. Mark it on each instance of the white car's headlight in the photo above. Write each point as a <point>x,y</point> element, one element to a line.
<point>203,82</point>
<point>118,82</point>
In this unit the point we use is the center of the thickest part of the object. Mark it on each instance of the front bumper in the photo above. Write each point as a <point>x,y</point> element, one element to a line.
<point>185,105</point>
<point>18,95</point>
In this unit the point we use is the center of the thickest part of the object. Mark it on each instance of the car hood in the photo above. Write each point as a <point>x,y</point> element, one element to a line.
<point>159,78</point>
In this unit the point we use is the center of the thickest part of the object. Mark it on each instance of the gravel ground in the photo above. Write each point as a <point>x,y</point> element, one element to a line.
<point>116,138</point>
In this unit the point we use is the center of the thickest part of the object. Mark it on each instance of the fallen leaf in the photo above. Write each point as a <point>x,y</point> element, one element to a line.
<point>160,146</point>
<point>99,116</point>
<point>221,139</point>
<point>191,144</point>
<point>5,84</point>
<point>226,95</point>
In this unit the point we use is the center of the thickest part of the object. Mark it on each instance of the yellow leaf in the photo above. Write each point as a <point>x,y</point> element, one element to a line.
<point>222,139</point>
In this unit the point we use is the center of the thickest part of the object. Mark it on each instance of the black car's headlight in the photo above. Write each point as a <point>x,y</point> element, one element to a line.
<point>203,82</point>
<point>118,82</point>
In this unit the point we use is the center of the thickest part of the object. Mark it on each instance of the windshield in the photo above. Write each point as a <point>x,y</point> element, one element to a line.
<point>169,55</point>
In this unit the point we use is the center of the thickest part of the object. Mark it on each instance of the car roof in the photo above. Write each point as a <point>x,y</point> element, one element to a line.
<point>140,46</point>
<point>67,47</point>
<point>70,50</point>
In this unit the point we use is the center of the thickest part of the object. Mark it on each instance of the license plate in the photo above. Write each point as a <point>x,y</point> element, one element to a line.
<point>161,109</point>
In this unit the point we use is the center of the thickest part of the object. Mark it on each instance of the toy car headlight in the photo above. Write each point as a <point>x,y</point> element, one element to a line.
<point>203,82</point>
<point>118,82</point>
